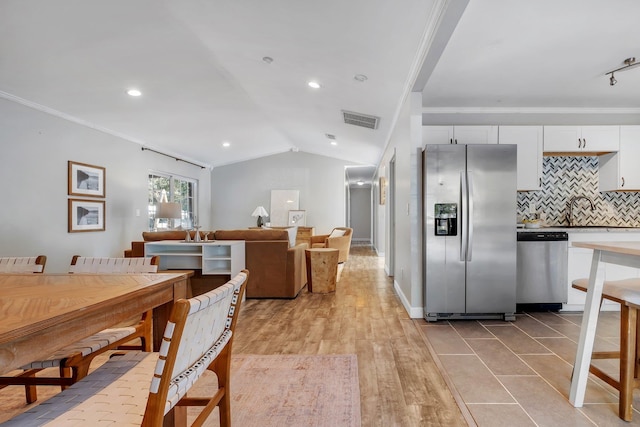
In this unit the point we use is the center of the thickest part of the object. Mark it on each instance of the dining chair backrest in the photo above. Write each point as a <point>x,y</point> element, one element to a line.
<point>81,264</point>
<point>199,329</point>
<point>22,264</point>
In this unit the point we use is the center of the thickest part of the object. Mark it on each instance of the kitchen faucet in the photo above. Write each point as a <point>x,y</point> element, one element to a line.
<point>573,200</point>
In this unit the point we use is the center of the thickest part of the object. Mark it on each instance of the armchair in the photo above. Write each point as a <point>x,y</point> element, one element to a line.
<point>340,238</point>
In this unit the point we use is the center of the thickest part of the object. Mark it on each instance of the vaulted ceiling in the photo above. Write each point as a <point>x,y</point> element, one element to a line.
<point>236,71</point>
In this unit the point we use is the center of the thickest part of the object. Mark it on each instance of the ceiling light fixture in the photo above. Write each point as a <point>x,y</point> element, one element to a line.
<point>628,63</point>
<point>360,77</point>
<point>134,92</point>
<point>334,143</point>
<point>226,144</point>
<point>360,182</point>
<point>267,59</point>
<point>314,85</point>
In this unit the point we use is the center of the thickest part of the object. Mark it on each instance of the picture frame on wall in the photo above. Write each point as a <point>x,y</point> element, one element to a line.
<point>383,190</point>
<point>297,218</point>
<point>86,180</point>
<point>86,215</point>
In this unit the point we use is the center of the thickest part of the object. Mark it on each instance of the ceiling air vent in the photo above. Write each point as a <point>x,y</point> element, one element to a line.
<point>363,120</point>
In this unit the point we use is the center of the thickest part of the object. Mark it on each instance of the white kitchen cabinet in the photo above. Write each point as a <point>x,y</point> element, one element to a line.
<point>459,135</point>
<point>619,171</point>
<point>529,141</point>
<point>581,139</point>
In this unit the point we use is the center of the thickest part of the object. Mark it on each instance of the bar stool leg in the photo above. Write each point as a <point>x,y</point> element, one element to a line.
<point>628,322</point>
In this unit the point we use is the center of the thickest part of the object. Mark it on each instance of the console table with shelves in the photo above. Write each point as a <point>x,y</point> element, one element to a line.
<point>217,257</point>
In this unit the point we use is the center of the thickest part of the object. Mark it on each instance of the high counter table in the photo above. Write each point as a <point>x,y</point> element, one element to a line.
<point>42,313</point>
<point>621,253</point>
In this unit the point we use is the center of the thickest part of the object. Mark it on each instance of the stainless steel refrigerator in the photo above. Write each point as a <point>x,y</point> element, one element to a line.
<point>469,210</point>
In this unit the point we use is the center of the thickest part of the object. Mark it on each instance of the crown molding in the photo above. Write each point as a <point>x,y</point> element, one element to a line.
<point>527,110</point>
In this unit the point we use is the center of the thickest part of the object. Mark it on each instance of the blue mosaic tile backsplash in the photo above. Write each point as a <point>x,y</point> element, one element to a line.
<point>566,177</point>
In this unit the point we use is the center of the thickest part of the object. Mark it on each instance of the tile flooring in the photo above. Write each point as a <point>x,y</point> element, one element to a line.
<point>519,373</point>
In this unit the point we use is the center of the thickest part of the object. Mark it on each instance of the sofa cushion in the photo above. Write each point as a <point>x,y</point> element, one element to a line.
<point>252,234</point>
<point>337,233</point>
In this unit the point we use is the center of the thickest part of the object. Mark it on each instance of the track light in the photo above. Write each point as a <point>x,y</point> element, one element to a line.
<point>628,63</point>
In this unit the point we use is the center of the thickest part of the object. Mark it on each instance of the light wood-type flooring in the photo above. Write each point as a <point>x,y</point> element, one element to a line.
<point>400,384</point>
<point>500,373</point>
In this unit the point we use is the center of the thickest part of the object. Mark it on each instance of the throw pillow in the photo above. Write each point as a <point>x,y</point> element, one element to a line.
<point>293,232</point>
<point>337,233</point>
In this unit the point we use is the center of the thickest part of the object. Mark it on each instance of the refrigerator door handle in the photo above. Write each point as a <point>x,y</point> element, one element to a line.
<point>463,216</point>
<point>470,215</point>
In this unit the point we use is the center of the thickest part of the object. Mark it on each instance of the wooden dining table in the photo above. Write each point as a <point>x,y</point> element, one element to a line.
<point>620,253</point>
<point>42,313</point>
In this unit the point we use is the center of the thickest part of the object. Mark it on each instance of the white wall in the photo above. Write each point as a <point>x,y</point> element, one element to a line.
<point>238,188</point>
<point>35,148</point>
<point>361,213</point>
<point>406,282</point>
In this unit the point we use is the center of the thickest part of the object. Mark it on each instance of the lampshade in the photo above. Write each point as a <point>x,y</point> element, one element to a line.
<point>168,210</point>
<point>260,211</point>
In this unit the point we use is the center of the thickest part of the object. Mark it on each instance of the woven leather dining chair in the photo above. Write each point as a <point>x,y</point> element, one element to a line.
<point>74,360</point>
<point>25,264</point>
<point>142,388</point>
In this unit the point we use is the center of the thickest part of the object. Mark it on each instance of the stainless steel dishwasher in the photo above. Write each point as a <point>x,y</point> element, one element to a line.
<point>542,270</point>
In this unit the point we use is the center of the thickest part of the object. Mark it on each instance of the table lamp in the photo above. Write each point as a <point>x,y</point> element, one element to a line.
<point>167,210</point>
<point>260,212</point>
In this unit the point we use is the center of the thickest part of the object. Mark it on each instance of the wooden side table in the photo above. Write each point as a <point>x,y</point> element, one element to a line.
<point>322,269</point>
<point>304,235</point>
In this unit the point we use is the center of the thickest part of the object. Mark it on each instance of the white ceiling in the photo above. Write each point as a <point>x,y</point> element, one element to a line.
<point>200,67</point>
<point>537,55</point>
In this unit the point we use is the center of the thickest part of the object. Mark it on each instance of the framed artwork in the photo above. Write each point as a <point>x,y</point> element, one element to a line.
<point>297,218</point>
<point>86,180</point>
<point>86,215</point>
<point>383,190</point>
<point>283,201</point>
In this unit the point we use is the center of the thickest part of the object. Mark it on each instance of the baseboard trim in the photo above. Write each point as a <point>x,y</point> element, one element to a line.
<point>413,312</point>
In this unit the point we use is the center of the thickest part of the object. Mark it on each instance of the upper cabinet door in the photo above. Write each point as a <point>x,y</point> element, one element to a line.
<point>475,134</point>
<point>601,138</point>
<point>459,135</point>
<point>529,142</point>
<point>562,138</point>
<point>576,139</point>
<point>437,135</point>
<point>620,171</point>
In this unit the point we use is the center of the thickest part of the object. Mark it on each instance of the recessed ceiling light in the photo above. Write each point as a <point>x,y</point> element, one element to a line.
<point>334,143</point>
<point>267,59</point>
<point>360,182</point>
<point>226,144</point>
<point>134,92</point>
<point>314,85</point>
<point>360,77</point>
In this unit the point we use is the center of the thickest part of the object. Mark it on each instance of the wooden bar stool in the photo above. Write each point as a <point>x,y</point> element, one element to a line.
<point>627,294</point>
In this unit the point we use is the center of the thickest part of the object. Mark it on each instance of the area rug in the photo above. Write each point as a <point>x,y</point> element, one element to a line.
<point>295,390</point>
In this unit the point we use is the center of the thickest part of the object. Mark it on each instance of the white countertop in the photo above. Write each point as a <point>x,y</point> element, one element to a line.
<point>603,229</point>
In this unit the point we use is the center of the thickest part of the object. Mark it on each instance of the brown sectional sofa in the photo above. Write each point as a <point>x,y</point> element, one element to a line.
<point>277,271</point>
